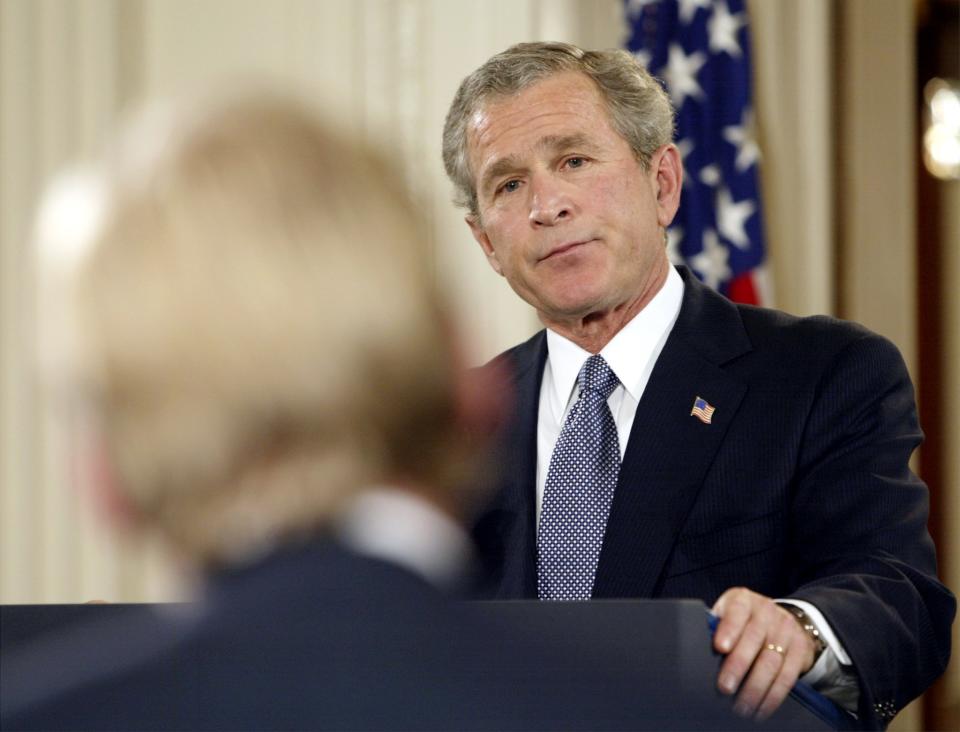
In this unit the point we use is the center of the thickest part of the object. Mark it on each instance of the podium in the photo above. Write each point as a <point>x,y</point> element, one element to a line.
<point>653,658</point>
<point>666,646</point>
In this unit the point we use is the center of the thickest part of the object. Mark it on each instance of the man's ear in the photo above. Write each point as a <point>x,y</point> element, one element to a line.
<point>483,398</point>
<point>666,168</point>
<point>98,479</point>
<point>484,241</point>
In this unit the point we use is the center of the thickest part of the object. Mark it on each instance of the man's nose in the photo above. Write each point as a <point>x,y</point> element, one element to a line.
<point>550,203</point>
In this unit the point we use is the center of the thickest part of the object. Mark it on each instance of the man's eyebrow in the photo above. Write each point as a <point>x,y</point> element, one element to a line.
<point>552,143</point>
<point>565,142</point>
<point>499,167</point>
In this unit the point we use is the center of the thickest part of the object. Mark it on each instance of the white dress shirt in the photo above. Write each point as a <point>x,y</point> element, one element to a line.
<point>631,355</point>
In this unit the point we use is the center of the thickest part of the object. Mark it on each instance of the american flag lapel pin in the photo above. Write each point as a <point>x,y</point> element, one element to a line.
<point>702,410</point>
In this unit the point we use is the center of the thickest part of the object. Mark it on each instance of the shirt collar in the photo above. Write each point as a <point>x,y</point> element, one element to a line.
<point>629,352</point>
<point>400,527</point>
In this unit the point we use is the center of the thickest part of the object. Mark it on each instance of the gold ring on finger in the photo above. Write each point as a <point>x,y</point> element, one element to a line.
<point>777,649</point>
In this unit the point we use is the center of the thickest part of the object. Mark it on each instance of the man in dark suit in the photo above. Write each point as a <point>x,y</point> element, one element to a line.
<point>729,453</point>
<point>269,382</point>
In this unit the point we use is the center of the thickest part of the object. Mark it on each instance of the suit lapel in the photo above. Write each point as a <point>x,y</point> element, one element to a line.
<point>670,451</point>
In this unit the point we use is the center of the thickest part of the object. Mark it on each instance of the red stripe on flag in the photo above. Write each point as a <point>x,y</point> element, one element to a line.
<point>742,289</point>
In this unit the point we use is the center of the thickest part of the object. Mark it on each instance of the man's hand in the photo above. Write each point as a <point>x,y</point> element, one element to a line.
<point>765,645</point>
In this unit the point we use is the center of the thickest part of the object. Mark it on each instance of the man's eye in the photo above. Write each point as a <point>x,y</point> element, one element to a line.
<point>575,162</point>
<point>510,186</point>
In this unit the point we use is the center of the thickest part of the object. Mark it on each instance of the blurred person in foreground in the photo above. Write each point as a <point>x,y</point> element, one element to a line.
<point>667,443</point>
<point>268,378</point>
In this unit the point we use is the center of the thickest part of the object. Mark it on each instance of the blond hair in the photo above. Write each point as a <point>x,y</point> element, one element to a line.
<point>639,108</point>
<point>260,333</point>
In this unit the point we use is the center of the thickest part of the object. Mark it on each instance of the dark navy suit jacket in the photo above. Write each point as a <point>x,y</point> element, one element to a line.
<point>799,487</point>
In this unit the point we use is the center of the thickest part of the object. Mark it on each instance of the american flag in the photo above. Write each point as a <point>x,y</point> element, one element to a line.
<point>701,51</point>
<point>703,410</point>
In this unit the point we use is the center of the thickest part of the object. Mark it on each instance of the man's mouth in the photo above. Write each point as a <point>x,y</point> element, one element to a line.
<point>565,248</point>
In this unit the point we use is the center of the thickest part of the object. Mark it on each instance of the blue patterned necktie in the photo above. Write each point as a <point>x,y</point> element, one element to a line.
<point>579,490</point>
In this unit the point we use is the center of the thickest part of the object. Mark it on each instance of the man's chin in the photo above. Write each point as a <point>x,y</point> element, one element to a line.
<point>573,310</point>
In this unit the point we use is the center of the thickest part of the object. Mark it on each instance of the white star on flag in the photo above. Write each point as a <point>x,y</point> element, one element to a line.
<point>681,74</point>
<point>710,174</point>
<point>688,8</point>
<point>685,147</point>
<point>674,237</point>
<point>711,262</point>
<point>643,58</point>
<point>723,28</point>
<point>748,152</point>
<point>731,218</point>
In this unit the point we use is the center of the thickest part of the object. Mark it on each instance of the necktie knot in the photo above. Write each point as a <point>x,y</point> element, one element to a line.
<point>598,377</point>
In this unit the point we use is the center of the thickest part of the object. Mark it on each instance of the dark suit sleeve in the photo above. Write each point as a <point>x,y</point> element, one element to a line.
<point>859,539</point>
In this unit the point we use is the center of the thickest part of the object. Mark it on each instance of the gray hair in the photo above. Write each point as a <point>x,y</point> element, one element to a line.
<point>639,108</point>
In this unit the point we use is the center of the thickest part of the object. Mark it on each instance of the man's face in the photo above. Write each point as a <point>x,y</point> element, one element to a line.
<point>567,213</point>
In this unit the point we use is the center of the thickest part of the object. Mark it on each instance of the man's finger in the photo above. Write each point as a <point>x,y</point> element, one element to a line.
<point>764,670</point>
<point>766,651</point>
<point>798,651</point>
<point>789,673</point>
<point>783,654</point>
<point>734,609</point>
<point>743,656</point>
<point>746,624</point>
